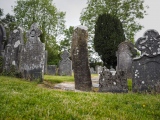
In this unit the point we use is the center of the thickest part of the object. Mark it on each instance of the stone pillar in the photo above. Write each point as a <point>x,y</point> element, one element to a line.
<point>80,62</point>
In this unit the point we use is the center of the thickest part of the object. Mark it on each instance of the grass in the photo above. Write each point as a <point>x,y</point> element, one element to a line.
<point>60,79</point>
<point>22,100</point>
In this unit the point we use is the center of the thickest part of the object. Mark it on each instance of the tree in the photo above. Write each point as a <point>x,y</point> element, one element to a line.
<point>66,42</point>
<point>109,34</point>
<point>1,13</point>
<point>127,11</point>
<point>50,20</point>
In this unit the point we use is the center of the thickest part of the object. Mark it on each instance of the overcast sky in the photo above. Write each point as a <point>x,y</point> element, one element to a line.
<point>73,9</point>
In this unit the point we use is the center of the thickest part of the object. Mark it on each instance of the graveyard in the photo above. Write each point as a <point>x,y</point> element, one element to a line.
<point>48,72</point>
<point>31,89</point>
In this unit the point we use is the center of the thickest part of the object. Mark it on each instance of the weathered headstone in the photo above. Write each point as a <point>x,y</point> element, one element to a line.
<point>45,64</point>
<point>65,65</point>
<point>12,50</point>
<point>92,70</point>
<point>2,40</point>
<point>51,69</point>
<point>113,83</point>
<point>33,55</point>
<point>79,52</point>
<point>146,73</point>
<point>125,55</point>
<point>98,69</point>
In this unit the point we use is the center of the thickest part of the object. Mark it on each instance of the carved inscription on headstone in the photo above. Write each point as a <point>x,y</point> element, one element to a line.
<point>146,73</point>
<point>79,52</point>
<point>33,55</point>
<point>65,65</point>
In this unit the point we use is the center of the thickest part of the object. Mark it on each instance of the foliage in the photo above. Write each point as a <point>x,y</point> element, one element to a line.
<point>50,20</point>
<point>66,43</point>
<point>127,11</point>
<point>1,12</point>
<point>27,100</point>
<point>108,35</point>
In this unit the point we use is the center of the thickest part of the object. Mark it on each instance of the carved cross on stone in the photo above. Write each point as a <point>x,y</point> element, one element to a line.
<point>149,45</point>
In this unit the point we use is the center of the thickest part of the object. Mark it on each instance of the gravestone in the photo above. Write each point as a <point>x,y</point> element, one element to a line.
<point>12,50</point>
<point>46,59</point>
<point>51,69</point>
<point>2,40</point>
<point>33,55</point>
<point>112,83</point>
<point>79,54</point>
<point>98,69</point>
<point>65,65</point>
<point>92,70</point>
<point>146,73</point>
<point>125,55</point>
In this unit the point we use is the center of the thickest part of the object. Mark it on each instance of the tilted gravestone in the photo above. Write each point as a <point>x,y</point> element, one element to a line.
<point>125,55</point>
<point>112,83</point>
<point>33,55</point>
<point>65,65</point>
<point>2,40</point>
<point>146,73</point>
<point>12,50</point>
<point>79,54</point>
<point>51,69</point>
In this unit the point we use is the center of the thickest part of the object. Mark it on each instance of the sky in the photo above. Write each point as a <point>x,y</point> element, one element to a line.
<point>73,9</point>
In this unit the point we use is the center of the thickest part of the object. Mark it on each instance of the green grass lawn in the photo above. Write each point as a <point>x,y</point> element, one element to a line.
<point>23,100</point>
<point>60,79</point>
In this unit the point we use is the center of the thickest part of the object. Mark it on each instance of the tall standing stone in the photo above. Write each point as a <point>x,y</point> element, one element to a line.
<point>33,55</point>
<point>65,65</point>
<point>12,50</point>
<point>146,73</point>
<point>125,55</point>
<point>79,52</point>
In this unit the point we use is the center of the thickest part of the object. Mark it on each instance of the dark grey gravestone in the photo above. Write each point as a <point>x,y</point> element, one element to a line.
<point>125,55</point>
<point>65,65</point>
<point>2,40</point>
<point>33,55</point>
<point>113,83</point>
<point>51,69</point>
<point>12,50</point>
<point>79,52</point>
<point>45,65</point>
<point>146,73</point>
